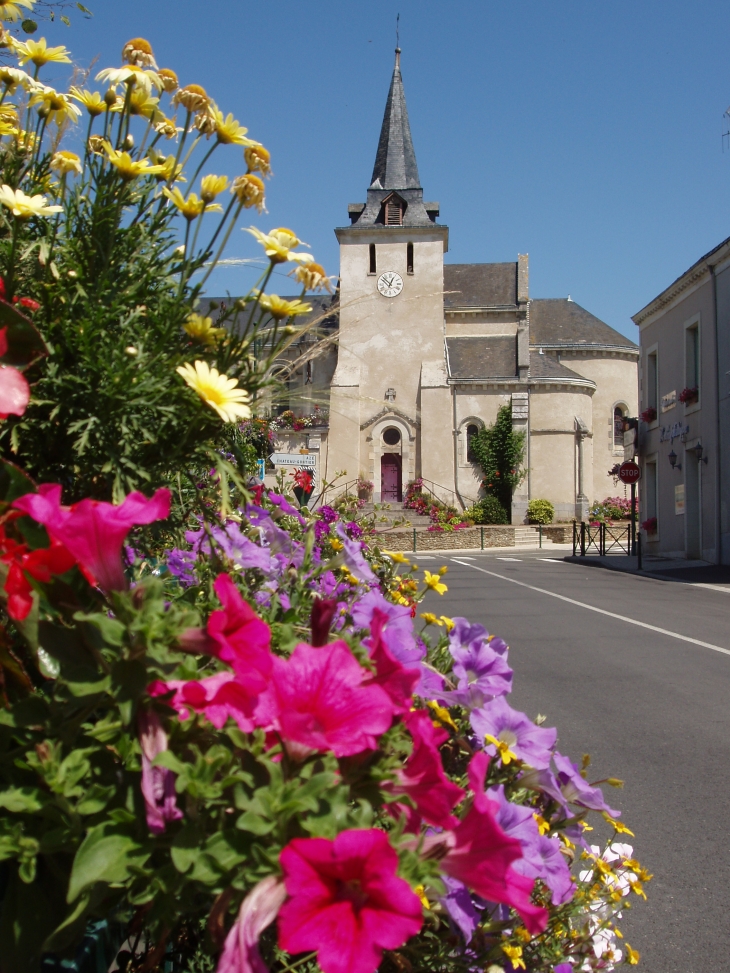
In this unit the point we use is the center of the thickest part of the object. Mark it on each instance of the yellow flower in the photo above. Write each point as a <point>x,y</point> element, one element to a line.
<point>22,206</point>
<point>7,128</point>
<point>441,714</point>
<point>279,308</point>
<point>258,159</point>
<point>10,9</point>
<point>168,79</point>
<point>505,754</point>
<point>542,825</point>
<point>165,127</point>
<point>618,825</point>
<point>205,123</point>
<point>249,190</point>
<point>448,622</point>
<point>201,329</point>
<point>632,956</point>
<point>91,100</point>
<point>169,172</point>
<point>430,618</point>
<point>311,276</point>
<point>55,106</point>
<point>65,162</point>
<point>142,103</point>
<point>139,51</point>
<point>191,207</point>
<point>96,144</point>
<point>40,53</point>
<point>397,557</point>
<point>218,391</point>
<point>515,956</point>
<point>433,581</point>
<point>522,934</point>
<point>212,186</point>
<point>228,130</point>
<point>127,167</point>
<point>142,78</point>
<point>10,78</point>
<point>336,545</point>
<point>420,891</point>
<point>192,97</point>
<point>279,244</point>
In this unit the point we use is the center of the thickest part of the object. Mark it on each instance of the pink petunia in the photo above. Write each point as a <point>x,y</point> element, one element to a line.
<point>14,392</point>
<point>423,779</point>
<point>158,783</point>
<point>320,700</point>
<point>397,681</point>
<point>94,531</point>
<point>346,901</point>
<point>240,638</point>
<point>218,697</point>
<point>480,854</point>
<point>258,910</point>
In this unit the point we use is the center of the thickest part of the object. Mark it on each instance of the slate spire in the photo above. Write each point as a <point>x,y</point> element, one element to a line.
<point>395,162</point>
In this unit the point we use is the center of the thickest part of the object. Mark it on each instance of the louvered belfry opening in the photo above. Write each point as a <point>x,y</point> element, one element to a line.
<point>394,211</point>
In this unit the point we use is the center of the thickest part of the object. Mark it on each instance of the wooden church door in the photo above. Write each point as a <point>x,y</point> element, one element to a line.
<point>391,484</point>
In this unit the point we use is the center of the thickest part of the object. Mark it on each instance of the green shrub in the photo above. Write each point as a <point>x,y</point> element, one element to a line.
<point>540,512</point>
<point>489,511</point>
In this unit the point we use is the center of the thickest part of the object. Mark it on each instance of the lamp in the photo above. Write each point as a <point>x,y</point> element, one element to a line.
<point>673,461</point>
<point>697,450</point>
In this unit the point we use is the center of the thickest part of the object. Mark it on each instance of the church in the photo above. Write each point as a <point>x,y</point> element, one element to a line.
<point>420,354</point>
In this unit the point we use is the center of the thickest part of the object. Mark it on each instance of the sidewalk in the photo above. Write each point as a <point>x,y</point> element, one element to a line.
<point>663,569</point>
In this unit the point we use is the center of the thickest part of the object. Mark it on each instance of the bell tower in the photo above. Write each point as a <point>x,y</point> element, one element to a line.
<point>390,403</point>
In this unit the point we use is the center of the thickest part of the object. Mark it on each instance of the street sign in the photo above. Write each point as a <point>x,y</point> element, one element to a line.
<point>303,461</point>
<point>629,472</point>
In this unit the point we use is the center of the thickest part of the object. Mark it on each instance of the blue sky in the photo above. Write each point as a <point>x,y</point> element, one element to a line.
<point>586,134</point>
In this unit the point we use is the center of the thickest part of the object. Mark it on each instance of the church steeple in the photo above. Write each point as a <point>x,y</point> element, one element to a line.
<point>395,162</point>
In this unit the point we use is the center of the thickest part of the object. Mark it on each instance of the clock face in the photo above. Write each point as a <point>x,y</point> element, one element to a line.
<point>390,284</point>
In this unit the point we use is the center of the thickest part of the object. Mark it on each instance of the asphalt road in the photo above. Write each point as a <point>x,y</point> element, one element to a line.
<point>650,708</point>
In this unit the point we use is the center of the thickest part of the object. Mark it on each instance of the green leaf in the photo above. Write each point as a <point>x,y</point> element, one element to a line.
<point>24,341</point>
<point>111,630</point>
<point>65,20</point>
<point>107,854</point>
<point>14,482</point>
<point>96,799</point>
<point>92,687</point>
<point>250,821</point>
<point>30,26</point>
<point>185,848</point>
<point>22,799</point>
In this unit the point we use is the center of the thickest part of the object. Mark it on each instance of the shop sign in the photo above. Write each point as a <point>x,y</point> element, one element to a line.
<point>669,401</point>
<point>667,434</point>
<point>679,498</point>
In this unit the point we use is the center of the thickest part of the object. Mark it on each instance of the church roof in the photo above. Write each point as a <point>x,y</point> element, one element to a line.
<point>490,357</point>
<point>480,285</point>
<point>395,161</point>
<point>560,322</point>
<point>547,366</point>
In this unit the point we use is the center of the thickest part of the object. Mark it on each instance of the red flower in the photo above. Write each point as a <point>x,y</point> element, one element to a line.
<point>40,564</point>
<point>94,531</point>
<point>218,697</point>
<point>240,638</point>
<point>319,700</point>
<point>397,681</point>
<point>480,855</point>
<point>303,479</point>
<point>320,620</point>
<point>346,901</point>
<point>423,779</point>
<point>27,302</point>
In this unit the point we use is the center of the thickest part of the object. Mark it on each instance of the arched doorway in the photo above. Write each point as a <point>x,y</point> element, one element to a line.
<point>391,479</point>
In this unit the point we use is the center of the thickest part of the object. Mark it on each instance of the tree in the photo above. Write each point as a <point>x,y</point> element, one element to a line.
<point>500,451</point>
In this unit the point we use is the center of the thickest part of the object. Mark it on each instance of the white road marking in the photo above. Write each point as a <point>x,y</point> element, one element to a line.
<point>504,559</point>
<point>465,558</point>
<point>552,560</point>
<point>600,611</point>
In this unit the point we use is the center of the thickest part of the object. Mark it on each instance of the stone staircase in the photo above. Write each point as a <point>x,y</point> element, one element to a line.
<point>396,511</point>
<point>529,537</point>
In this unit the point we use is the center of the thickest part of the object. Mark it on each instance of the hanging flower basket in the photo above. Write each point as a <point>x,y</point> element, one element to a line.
<point>688,395</point>
<point>648,415</point>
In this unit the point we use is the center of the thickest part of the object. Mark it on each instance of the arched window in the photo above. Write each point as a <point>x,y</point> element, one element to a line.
<point>472,430</point>
<point>619,414</point>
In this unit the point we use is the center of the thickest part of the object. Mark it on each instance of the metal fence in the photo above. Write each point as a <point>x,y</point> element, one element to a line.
<point>600,539</point>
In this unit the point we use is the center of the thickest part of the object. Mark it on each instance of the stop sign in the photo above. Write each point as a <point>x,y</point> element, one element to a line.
<point>629,472</point>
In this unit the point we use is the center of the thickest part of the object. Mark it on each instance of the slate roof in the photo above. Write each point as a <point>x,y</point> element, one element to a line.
<point>490,357</point>
<point>480,285</point>
<point>395,161</point>
<point>558,321</point>
<point>547,366</point>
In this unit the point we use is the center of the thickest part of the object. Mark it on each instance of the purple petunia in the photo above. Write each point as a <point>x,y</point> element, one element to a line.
<point>397,632</point>
<point>464,636</point>
<point>528,742</point>
<point>283,504</point>
<point>181,564</point>
<point>353,557</point>
<point>460,906</point>
<point>321,529</point>
<point>576,790</point>
<point>354,530</point>
<point>481,673</point>
<point>328,514</point>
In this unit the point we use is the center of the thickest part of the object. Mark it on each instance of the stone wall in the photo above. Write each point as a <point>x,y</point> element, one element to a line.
<point>469,537</point>
<point>558,533</point>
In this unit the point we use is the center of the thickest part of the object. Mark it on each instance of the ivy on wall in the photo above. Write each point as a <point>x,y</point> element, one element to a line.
<point>500,452</point>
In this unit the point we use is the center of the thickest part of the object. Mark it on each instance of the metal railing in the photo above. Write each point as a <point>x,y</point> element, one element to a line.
<point>601,539</point>
<point>430,489</point>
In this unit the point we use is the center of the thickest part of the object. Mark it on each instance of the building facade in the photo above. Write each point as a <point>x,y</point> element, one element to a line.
<point>419,354</point>
<point>685,404</point>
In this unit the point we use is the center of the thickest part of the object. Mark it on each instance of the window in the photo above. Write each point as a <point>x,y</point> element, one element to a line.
<point>651,489</point>
<point>373,263</point>
<point>394,211</point>
<point>619,414</point>
<point>409,258</point>
<point>391,437</point>
<point>472,430</point>
<point>692,356</point>
<point>652,381</point>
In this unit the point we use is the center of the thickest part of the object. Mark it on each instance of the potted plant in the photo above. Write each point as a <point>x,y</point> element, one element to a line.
<point>364,488</point>
<point>303,486</point>
<point>689,395</point>
<point>649,525</point>
<point>648,415</point>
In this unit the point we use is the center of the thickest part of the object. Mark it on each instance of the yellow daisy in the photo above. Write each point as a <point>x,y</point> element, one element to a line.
<point>312,277</point>
<point>228,130</point>
<point>218,391</point>
<point>279,244</point>
<point>165,127</point>
<point>65,162</point>
<point>96,144</point>
<point>192,97</point>
<point>91,100</point>
<point>191,207</point>
<point>258,159</point>
<point>142,78</point>
<point>212,186</point>
<point>201,329</point>
<point>40,53</point>
<point>11,9</point>
<point>55,106</point>
<point>140,103</point>
<point>250,191</point>
<point>279,309</point>
<point>10,78</point>
<point>22,206</point>
<point>139,51</point>
<point>168,79</point>
<point>434,582</point>
<point>127,167</point>
<point>169,172</point>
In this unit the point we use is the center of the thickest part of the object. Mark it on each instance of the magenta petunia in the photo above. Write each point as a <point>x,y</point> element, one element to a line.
<point>94,531</point>
<point>423,779</point>
<point>397,631</point>
<point>217,697</point>
<point>346,901</point>
<point>319,700</point>
<point>240,637</point>
<point>258,910</point>
<point>397,681</point>
<point>158,783</point>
